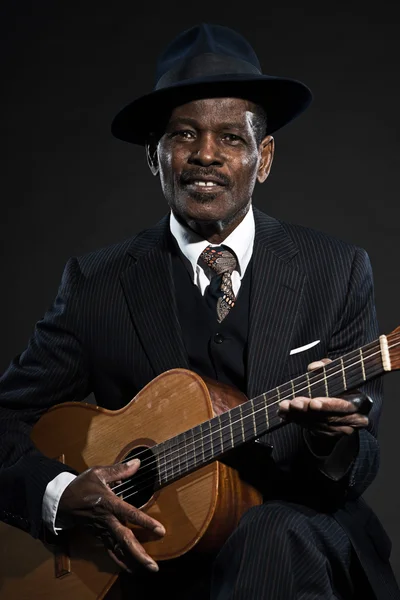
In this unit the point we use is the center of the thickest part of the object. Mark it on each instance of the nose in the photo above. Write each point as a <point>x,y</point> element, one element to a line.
<point>206,151</point>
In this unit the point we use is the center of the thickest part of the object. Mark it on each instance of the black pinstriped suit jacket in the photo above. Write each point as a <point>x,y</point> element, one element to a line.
<point>114,326</point>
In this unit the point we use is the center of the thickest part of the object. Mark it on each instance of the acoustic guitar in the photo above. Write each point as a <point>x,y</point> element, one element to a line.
<point>180,426</point>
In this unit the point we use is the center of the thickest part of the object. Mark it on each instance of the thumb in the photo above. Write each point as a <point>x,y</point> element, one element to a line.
<point>121,470</point>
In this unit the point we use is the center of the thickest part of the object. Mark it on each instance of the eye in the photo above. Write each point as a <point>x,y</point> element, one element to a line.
<point>232,139</point>
<point>185,134</point>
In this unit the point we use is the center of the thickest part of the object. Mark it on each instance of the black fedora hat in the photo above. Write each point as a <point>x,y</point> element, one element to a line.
<point>209,61</point>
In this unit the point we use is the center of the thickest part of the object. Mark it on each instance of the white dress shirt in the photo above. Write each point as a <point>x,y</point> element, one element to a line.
<point>241,241</point>
<point>191,245</point>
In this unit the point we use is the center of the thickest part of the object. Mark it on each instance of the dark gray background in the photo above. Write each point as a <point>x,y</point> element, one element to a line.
<point>68,187</point>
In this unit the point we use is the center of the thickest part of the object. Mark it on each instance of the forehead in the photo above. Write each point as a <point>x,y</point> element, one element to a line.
<point>211,111</point>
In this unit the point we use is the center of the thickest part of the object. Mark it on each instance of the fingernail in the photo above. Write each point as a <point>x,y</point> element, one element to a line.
<point>133,461</point>
<point>153,566</point>
<point>316,365</point>
<point>159,530</point>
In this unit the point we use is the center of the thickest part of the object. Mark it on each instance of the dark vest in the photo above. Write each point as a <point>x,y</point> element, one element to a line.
<point>216,350</point>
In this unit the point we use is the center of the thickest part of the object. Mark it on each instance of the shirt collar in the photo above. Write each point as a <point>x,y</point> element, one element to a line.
<point>241,241</point>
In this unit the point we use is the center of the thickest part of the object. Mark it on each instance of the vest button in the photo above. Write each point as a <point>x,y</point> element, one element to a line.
<point>218,338</point>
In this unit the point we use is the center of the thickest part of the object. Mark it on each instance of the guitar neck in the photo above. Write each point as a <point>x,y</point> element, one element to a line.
<point>208,441</point>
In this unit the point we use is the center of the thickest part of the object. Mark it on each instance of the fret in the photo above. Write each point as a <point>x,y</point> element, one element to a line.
<point>280,393</point>
<point>308,385</point>
<point>241,422</point>
<point>253,414</point>
<point>266,412</point>
<point>325,382</point>
<point>229,413</point>
<point>161,462</point>
<point>219,442</point>
<point>227,430</point>
<point>177,454</point>
<point>272,415</point>
<point>210,449</point>
<point>343,374</point>
<point>191,459</point>
<point>237,426</point>
<point>293,390</point>
<point>170,463</point>
<point>181,453</point>
<point>202,443</point>
<point>362,365</point>
<point>260,413</point>
<point>353,367</point>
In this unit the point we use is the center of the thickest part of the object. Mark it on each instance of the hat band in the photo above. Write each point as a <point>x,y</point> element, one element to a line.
<point>206,65</point>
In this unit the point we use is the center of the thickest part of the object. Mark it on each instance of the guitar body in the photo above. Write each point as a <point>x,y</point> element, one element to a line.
<point>199,510</point>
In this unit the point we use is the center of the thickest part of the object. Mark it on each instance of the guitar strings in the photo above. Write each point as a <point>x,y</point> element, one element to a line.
<point>328,373</point>
<point>178,445</point>
<point>181,471</point>
<point>143,478</point>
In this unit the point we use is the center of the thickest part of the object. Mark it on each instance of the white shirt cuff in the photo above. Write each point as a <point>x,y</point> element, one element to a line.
<point>51,498</point>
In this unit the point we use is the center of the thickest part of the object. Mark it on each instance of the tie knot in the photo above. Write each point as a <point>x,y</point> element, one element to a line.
<point>219,258</point>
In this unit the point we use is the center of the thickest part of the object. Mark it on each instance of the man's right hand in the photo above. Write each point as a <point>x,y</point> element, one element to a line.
<point>89,500</point>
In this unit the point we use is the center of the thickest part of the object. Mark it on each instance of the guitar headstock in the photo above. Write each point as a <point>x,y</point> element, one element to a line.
<point>394,348</point>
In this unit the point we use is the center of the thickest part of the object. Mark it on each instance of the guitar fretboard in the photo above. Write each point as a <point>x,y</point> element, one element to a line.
<point>208,441</point>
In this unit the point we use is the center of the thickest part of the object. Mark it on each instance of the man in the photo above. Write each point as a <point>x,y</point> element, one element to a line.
<point>232,294</point>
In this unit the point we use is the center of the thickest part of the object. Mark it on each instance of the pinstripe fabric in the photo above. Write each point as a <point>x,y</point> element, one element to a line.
<point>114,327</point>
<point>285,551</point>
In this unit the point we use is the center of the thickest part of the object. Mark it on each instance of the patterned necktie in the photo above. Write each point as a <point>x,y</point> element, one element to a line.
<point>222,261</point>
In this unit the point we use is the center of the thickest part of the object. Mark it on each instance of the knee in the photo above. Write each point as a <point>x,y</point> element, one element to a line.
<point>277,519</point>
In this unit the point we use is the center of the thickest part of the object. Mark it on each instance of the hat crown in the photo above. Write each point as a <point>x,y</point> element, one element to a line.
<point>209,61</point>
<point>207,39</point>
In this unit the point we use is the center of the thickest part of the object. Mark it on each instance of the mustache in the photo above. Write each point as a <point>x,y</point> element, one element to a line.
<point>193,174</point>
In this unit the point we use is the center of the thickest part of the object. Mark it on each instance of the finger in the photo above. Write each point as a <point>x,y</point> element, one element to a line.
<point>318,364</point>
<point>319,404</point>
<point>355,421</point>
<point>299,403</point>
<point>127,513</point>
<point>333,423</point>
<point>341,425</point>
<point>119,562</point>
<point>332,405</point>
<point>333,431</point>
<point>316,412</point>
<point>130,546</point>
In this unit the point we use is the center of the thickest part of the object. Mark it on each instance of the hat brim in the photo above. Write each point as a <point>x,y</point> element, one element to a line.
<point>283,99</point>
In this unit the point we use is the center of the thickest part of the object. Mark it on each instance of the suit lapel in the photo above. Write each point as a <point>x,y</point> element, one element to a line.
<point>275,298</point>
<point>149,291</point>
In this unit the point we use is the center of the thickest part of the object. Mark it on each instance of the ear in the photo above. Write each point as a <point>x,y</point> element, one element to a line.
<point>267,149</point>
<point>152,157</point>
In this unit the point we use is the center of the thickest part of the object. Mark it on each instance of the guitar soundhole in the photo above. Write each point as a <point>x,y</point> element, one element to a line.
<point>138,490</point>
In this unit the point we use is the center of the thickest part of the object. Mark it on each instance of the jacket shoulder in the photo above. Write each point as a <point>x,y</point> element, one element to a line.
<point>114,258</point>
<point>307,237</point>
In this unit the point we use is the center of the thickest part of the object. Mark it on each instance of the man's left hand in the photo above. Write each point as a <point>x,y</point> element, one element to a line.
<point>322,415</point>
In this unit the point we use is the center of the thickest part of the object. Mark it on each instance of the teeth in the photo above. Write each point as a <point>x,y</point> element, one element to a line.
<point>206,183</point>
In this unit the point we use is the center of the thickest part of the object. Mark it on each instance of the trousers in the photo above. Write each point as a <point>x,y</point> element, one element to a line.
<point>279,551</point>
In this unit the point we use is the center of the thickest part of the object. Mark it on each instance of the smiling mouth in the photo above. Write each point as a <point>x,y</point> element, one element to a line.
<point>204,186</point>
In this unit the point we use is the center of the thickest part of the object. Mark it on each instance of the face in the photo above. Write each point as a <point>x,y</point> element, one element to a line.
<point>209,161</point>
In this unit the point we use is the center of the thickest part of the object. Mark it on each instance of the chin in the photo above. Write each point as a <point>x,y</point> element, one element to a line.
<point>203,198</point>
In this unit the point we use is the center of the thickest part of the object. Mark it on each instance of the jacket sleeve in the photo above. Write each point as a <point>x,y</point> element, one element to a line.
<point>51,370</point>
<point>359,453</point>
